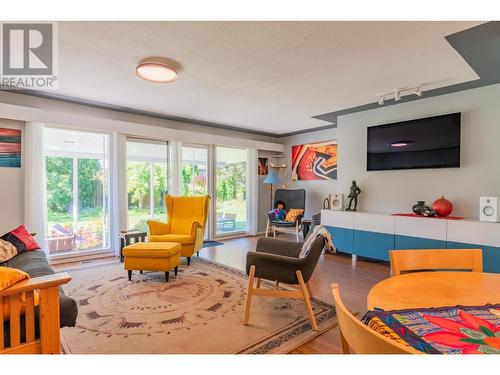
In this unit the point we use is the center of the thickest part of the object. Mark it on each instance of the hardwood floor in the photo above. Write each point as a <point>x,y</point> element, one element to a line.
<point>355,280</point>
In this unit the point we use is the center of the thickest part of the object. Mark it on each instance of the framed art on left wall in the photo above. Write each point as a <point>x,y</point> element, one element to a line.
<point>263,166</point>
<point>10,148</point>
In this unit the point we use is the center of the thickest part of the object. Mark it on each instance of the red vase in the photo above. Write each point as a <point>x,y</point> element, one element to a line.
<point>442,206</point>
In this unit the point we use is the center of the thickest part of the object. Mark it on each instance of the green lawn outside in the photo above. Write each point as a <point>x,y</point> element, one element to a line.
<point>237,207</point>
<point>137,218</point>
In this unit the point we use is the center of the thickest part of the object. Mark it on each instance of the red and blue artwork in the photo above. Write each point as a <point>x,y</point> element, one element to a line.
<point>315,161</point>
<point>448,330</point>
<point>10,148</point>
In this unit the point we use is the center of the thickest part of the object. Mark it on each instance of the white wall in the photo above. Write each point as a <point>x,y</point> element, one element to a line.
<point>12,187</point>
<point>397,191</point>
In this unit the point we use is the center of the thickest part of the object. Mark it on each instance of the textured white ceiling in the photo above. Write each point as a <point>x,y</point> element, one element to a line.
<point>265,76</point>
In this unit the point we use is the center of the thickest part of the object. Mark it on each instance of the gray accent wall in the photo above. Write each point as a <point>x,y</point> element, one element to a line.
<point>397,191</point>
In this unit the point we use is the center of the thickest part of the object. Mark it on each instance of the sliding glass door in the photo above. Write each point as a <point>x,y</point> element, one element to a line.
<point>230,190</point>
<point>147,162</point>
<point>77,190</point>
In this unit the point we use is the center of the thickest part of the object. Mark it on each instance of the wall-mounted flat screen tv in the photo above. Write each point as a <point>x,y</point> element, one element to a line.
<point>432,142</point>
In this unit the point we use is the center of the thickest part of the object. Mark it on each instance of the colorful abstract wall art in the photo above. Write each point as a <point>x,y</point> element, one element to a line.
<point>10,148</point>
<point>315,161</point>
<point>263,166</point>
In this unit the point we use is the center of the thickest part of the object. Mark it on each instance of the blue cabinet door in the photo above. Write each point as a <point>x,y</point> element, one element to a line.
<point>491,255</point>
<point>408,242</point>
<point>342,239</point>
<point>373,244</point>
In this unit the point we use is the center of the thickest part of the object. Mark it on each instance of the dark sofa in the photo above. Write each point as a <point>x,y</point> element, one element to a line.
<point>35,264</point>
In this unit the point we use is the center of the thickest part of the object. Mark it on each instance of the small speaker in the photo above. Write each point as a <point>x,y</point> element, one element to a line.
<point>337,201</point>
<point>488,209</point>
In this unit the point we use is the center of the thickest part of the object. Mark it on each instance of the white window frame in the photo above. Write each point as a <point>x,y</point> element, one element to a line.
<point>81,254</point>
<point>210,191</point>
<point>234,234</point>
<point>151,164</point>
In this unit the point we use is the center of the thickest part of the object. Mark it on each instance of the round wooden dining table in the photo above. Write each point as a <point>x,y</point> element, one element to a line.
<point>435,289</point>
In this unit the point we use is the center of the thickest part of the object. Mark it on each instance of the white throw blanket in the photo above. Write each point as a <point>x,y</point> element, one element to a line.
<point>319,230</point>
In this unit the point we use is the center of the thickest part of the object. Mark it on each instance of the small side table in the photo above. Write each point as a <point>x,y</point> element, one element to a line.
<point>127,237</point>
<point>306,226</point>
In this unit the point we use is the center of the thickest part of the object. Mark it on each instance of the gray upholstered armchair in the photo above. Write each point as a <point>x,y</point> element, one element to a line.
<point>293,198</point>
<point>279,261</point>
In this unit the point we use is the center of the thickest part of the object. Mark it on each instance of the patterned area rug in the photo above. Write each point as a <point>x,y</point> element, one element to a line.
<point>198,311</point>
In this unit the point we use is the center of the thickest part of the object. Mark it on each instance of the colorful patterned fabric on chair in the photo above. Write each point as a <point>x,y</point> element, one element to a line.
<point>186,220</point>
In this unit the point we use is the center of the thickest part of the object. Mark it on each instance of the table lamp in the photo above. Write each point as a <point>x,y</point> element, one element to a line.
<point>272,178</point>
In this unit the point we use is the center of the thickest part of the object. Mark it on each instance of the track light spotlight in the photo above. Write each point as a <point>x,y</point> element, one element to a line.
<point>400,92</point>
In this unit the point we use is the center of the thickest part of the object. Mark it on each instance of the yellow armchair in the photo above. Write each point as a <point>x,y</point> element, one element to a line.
<point>186,221</point>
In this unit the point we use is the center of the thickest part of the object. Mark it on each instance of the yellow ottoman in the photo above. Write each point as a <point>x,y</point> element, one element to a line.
<point>152,256</point>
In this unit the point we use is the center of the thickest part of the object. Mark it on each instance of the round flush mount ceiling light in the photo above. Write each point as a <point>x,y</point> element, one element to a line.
<point>157,69</point>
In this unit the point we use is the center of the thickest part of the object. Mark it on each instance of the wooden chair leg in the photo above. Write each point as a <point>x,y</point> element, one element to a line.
<point>175,270</point>
<point>258,282</point>
<point>246,316</point>
<point>307,300</point>
<point>276,284</point>
<point>129,275</point>
<point>309,289</point>
<point>345,345</point>
<point>189,260</point>
<point>267,228</point>
<point>50,342</point>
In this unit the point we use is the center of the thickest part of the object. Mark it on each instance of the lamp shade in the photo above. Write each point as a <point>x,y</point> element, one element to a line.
<point>272,178</point>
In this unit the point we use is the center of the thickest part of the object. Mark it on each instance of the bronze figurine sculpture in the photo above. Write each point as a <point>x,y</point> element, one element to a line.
<point>354,191</point>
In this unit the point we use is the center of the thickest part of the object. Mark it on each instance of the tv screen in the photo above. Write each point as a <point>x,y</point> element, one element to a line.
<point>432,142</point>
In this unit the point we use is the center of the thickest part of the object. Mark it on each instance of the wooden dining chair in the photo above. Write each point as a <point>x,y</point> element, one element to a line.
<point>436,259</point>
<point>360,338</point>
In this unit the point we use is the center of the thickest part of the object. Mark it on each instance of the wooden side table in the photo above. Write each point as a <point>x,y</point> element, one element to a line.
<point>127,237</point>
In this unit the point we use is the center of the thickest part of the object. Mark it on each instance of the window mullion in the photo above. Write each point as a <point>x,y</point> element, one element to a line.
<point>151,189</point>
<point>75,194</point>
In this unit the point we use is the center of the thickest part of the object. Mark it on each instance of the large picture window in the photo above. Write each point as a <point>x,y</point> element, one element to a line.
<point>147,163</point>
<point>77,188</point>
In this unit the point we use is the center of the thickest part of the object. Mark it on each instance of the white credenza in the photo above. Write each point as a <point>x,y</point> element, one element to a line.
<point>372,234</point>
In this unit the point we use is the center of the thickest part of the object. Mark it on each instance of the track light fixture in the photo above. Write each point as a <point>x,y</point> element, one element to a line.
<point>397,94</point>
<point>418,91</point>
